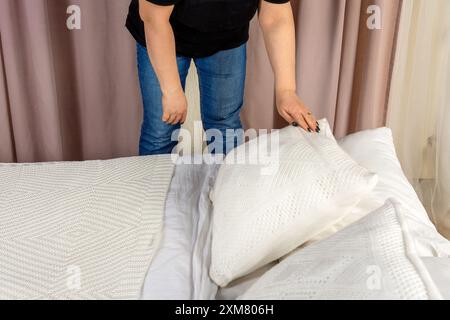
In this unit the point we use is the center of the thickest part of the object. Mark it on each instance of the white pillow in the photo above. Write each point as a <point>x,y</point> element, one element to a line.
<point>375,150</point>
<point>372,259</point>
<point>260,216</point>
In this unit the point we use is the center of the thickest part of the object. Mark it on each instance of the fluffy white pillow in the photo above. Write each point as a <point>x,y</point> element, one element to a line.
<point>261,214</point>
<point>374,258</point>
<point>375,150</point>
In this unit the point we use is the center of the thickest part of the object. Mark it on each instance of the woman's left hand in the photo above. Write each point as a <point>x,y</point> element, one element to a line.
<point>294,111</point>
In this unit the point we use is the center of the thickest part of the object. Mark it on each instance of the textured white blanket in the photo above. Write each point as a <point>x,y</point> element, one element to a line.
<point>373,259</point>
<point>80,230</point>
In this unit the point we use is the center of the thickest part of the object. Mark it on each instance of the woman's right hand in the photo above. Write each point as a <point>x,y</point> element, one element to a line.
<point>174,107</point>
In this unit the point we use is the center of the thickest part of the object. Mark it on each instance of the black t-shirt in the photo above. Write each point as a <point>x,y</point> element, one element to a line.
<point>202,27</point>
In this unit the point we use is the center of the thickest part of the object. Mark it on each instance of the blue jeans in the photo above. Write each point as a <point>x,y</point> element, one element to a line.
<point>221,80</point>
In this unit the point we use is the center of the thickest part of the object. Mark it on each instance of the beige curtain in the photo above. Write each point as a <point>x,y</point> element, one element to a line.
<point>343,67</point>
<point>419,105</point>
<point>66,94</point>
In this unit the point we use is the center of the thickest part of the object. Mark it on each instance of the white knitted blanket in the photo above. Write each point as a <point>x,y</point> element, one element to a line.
<point>80,230</point>
<point>373,259</point>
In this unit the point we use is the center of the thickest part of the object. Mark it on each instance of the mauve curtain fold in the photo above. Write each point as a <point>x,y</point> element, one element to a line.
<point>343,67</point>
<point>73,94</point>
<point>30,82</point>
<point>7,148</point>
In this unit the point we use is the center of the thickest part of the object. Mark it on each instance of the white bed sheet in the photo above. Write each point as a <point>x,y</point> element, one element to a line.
<point>180,268</point>
<point>439,269</point>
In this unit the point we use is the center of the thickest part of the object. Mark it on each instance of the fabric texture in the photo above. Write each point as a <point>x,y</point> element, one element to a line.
<point>438,269</point>
<point>82,230</point>
<point>375,150</point>
<point>265,209</point>
<point>420,78</point>
<point>67,94</point>
<point>180,268</point>
<point>371,259</point>
<point>221,84</point>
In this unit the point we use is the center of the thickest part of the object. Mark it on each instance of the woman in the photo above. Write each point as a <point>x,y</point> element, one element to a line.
<point>170,33</point>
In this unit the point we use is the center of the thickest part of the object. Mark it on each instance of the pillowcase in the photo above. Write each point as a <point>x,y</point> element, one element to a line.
<point>375,150</point>
<point>372,259</point>
<point>264,210</point>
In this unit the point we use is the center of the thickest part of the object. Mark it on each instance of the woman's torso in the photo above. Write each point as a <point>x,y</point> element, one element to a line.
<point>202,27</point>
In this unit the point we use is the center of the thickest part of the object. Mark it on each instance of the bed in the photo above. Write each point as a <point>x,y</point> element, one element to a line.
<point>180,266</point>
<point>375,150</point>
<point>190,216</point>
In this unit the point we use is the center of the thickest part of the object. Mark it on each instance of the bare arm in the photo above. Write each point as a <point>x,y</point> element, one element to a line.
<point>277,24</point>
<point>161,49</point>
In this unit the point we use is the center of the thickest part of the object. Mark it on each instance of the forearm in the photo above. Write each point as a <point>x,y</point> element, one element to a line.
<point>162,52</point>
<point>279,36</point>
<point>161,49</point>
<point>277,23</point>
<point>161,44</point>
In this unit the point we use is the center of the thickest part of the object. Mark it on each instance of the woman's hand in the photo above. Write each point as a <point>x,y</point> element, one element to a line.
<point>277,23</point>
<point>174,107</point>
<point>162,52</point>
<point>294,111</point>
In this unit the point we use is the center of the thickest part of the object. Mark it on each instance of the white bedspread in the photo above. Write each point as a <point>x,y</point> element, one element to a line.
<point>80,230</point>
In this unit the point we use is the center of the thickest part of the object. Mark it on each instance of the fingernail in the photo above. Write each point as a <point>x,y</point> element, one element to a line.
<point>317,123</point>
<point>318,130</point>
<point>309,129</point>
<point>295,124</point>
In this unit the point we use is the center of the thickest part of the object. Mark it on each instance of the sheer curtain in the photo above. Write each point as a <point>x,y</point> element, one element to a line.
<point>419,104</point>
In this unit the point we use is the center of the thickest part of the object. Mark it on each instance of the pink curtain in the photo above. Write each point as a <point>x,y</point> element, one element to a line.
<point>73,94</point>
<point>343,68</point>
<point>66,94</point>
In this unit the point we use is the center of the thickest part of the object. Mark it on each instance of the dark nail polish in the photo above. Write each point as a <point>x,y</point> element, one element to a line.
<point>318,130</point>
<point>309,130</point>
<point>295,124</point>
